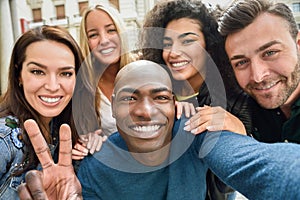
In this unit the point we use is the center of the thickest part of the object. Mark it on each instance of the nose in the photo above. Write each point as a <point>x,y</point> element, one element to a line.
<point>175,50</point>
<point>259,70</point>
<point>52,84</point>
<point>104,39</point>
<point>144,109</point>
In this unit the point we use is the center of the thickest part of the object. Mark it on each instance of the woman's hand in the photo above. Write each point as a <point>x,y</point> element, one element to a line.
<point>56,180</point>
<point>186,107</point>
<point>214,119</point>
<point>88,143</point>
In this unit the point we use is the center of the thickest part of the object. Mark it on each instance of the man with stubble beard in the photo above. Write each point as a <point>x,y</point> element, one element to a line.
<point>262,43</point>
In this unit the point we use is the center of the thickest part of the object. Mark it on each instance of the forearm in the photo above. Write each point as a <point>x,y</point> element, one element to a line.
<point>255,169</point>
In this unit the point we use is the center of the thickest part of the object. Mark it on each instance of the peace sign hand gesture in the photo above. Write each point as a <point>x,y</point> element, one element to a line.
<point>55,181</point>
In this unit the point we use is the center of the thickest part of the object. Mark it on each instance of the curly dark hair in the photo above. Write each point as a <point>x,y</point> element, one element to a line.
<point>167,11</point>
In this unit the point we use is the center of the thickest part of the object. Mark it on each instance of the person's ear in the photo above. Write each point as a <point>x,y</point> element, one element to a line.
<point>174,99</point>
<point>298,41</point>
<point>20,82</point>
<point>112,105</point>
<point>175,107</point>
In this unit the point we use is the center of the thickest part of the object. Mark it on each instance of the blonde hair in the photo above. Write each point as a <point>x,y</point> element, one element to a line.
<point>125,57</point>
<point>89,79</point>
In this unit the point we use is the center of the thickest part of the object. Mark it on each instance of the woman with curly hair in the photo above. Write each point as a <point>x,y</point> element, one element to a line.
<point>182,36</point>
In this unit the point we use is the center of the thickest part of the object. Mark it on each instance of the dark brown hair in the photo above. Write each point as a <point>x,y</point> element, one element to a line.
<point>14,103</point>
<point>241,13</point>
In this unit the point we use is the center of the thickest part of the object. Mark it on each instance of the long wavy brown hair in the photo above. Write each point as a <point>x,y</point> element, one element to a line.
<point>13,101</point>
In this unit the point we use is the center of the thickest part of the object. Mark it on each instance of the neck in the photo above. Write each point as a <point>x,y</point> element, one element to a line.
<point>106,82</point>
<point>154,158</point>
<point>287,106</point>
<point>188,88</point>
<point>196,82</point>
<point>110,73</point>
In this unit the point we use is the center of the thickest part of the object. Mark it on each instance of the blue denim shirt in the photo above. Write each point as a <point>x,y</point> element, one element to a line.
<point>11,154</point>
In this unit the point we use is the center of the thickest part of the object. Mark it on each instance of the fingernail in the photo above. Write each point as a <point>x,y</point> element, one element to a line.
<point>187,122</point>
<point>187,128</point>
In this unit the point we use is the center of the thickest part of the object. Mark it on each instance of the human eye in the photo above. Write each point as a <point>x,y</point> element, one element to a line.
<point>167,45</point>
<point>240,63</point>
<point>163,98</point>
<point>67,74</point>
<point>92,35</point>
<point>187,41</point>
<point>112,30</point>
<point>37,72</point>
<point>269,53</point>
<point>126,98</point>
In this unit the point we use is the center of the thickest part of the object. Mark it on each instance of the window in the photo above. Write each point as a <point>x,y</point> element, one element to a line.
<point>82,6</point>
<point>37,15</point>
<point>115,3</point>
<point>60,12</point>
<point>296,7</point>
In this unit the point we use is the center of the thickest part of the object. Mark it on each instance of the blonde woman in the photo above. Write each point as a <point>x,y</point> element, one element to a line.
<point>104,46</point>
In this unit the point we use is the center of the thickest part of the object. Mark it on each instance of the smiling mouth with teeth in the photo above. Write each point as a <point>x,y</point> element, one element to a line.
<point>265,86</point>
<point>151,128</point>
<point>50,100</point>
<point>146,132</point>
<point>107,51</point>
<point>179,64</point>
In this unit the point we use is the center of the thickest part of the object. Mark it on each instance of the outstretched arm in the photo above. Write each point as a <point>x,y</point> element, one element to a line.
<point>55,181</point>
<point>257,170</point>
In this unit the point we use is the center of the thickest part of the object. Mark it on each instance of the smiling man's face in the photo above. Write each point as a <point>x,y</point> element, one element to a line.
<point>144,108</point>
<point>265,59</point>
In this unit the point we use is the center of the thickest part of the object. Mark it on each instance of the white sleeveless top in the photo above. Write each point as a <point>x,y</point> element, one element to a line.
<point>108,123</point>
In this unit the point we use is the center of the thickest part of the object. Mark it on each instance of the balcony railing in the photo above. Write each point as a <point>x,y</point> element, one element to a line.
<point>76,19</point>
<point>60,21</point>
<point>34,24</point>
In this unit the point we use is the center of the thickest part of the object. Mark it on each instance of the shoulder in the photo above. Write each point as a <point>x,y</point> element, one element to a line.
<point>237,99</point>
<point>10,131</point>
<point>4,129</point>
<point>109,149</point>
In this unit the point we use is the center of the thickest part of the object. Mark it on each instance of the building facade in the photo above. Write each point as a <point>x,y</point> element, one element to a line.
<point>17,16</point>
<point>295,6</point>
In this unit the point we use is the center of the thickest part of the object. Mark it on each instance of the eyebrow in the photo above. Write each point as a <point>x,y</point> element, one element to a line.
<point>262,48</point>
<point>106,26</point>
<point>45,67</point>
<point>153,91</point>
<point>186,34</point>
<point>267,45</point>
<point>182,35</point>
